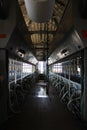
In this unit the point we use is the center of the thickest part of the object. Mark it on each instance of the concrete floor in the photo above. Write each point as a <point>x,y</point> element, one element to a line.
<point>42,112</point>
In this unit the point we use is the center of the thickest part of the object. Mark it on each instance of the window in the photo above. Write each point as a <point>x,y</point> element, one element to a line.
<point>41,66</point>
<point>27,68</point>
<point>57,68</point>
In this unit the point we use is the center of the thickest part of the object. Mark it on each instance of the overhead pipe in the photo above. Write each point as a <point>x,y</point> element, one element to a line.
<point>39,10</point>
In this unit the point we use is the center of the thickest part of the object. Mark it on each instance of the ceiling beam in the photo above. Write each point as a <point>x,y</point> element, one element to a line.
<point>41,48</point>
<point>44,32</point>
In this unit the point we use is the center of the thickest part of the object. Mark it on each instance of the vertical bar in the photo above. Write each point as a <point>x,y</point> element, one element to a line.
<point>21,71</point>
<point>15,73</point>
<point>4,91</point>
<point>69,78</point>
<point>82,84</point>
<point>47,46</point>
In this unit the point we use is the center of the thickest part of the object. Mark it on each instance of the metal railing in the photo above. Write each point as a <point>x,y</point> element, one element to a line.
<point>69,92</point>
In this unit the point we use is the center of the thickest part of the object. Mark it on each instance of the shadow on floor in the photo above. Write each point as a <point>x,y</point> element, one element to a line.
<point>43,113</point>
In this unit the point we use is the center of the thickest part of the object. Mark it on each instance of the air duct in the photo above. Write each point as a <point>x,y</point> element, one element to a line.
<point>39,10</point>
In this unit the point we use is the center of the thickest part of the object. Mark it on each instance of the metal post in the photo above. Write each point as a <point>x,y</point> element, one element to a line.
<point>69,76</point>
<point>47,67</point>
<point>15,72</point>
<point>4,89</point>
<point>21,71</point>
<point>47,46</point>
<point>82,81</point>
<point>84,84</point>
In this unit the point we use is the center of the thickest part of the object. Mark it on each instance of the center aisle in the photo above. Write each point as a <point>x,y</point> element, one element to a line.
<point>43,113</point>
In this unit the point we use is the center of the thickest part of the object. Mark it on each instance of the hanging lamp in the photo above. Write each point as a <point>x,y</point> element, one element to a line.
<point>39,10</point>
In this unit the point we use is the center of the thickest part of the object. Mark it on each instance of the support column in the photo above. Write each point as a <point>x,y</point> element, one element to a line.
<point>84,87</point>
<point>33,68</point>
<point>3,85</point>
<point>47,46</point>
<point>50,68</point>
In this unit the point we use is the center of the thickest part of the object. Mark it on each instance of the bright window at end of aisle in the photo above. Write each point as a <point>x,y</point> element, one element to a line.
<point>41,67</point>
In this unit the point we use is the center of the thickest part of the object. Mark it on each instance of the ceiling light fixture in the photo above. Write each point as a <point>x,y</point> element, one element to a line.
<point>39,10</point>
